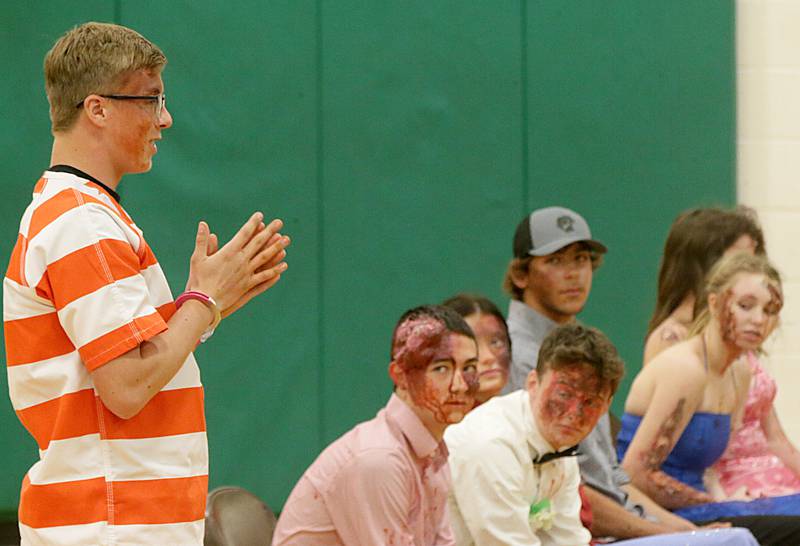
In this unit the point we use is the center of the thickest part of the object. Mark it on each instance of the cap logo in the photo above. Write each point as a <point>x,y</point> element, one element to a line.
<point>565,223</point>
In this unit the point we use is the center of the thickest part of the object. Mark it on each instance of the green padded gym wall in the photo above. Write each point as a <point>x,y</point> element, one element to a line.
<point>401,142</point>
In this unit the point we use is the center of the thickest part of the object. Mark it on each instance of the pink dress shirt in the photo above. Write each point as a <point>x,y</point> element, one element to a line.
<point>383,483</point>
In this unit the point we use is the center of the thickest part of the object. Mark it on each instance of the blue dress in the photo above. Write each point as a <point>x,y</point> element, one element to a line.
<point>701,444</point>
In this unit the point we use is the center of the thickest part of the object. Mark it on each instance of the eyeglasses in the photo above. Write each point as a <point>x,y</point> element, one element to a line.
<point>160,100</point>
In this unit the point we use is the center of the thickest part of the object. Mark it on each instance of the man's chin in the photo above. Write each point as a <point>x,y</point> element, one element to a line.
<point>492,385</point>
<point>455,417</point>
<point>457,412</point>
<point>143,167</point>
<point>568,437</point>
<point>572,308</point>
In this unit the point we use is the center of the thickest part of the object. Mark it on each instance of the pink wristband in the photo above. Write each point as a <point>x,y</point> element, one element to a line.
<point>209,302</point>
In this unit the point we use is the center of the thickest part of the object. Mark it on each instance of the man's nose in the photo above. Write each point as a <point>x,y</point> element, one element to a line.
<point>459,382</point>
<point>165,122</point>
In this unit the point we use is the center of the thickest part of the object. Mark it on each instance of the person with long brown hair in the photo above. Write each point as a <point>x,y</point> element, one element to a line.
<point>696,240</point>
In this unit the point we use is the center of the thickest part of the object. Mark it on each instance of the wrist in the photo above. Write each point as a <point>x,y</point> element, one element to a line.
<point>203,312</point>
<point>209,302</point>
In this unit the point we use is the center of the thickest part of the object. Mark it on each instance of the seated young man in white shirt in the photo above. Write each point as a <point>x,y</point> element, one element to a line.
<point>514,474</point>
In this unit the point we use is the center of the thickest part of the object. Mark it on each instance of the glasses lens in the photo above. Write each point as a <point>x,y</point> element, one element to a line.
<point>162,100</point>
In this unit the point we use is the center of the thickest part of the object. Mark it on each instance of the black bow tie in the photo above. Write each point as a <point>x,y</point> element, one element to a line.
<point>547,457</point>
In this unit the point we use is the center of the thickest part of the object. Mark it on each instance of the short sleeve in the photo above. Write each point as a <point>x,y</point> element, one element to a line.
<point>92,273</point>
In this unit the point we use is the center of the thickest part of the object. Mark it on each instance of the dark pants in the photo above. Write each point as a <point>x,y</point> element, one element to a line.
<point>768,530</point>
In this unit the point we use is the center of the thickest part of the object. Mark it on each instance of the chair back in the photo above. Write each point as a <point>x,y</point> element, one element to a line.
<point>236,517</point>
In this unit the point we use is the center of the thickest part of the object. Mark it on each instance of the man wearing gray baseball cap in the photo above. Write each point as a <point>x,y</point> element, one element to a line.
<point>548,279</point>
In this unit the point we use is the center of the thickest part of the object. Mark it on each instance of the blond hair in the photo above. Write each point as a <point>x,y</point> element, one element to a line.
<point>93,58</point>
<point>721,277</point>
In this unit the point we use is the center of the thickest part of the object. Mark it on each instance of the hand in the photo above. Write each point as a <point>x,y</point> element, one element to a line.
<point>679,525</point>
<point>713,485</point>
<point>250,263</point>
<point>717,525</point>
<point>741,494</point>
<point>213,246</point>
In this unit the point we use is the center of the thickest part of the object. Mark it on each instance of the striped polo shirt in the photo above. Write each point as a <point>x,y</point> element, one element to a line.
<point>82,288</point>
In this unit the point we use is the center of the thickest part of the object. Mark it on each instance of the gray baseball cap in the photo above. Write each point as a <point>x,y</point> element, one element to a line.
<point>548,230</point>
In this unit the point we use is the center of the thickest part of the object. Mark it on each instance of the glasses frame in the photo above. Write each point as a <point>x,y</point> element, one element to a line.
<point>160,100</point>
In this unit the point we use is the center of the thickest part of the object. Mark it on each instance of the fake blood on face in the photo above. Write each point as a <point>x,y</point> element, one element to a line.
<point>494,353</point>
<point>446,386</point>
<point>776,300</point>
<point>440,366</point>
<point>417,342</point>
<point>727,322</point>
<point>747,311</point>
<point>570,402</point>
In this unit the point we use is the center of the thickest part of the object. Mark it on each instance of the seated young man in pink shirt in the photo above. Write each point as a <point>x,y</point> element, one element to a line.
<point>386,481</point>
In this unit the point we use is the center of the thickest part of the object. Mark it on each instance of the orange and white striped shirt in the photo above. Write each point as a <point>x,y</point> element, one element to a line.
<point>82,288</point>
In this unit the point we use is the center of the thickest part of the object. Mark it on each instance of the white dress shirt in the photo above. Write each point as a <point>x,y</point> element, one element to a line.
<point>495,483</point>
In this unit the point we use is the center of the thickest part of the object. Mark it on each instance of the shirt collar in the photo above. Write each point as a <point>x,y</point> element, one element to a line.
<point>532,322</point>
<point>80,174</point>
<point>422,441</point>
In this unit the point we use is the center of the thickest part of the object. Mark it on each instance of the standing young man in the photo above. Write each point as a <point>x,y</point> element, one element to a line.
<point>99,356</point>
<point>386,481</point>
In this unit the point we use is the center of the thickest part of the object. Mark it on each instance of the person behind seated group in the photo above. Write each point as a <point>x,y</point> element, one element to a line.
<point>386,481</point>
<point>494,343</point>
<point>515,477</point>
<point>548,279</point>
<point>760,460</point>
<point>680,408</point>
<point>697,239</point>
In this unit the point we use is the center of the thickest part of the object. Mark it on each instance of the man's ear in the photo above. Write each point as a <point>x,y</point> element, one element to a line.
<point>532,381</point>
<point>95,110</point>
<point>519,274</point>
<point>398,375</point>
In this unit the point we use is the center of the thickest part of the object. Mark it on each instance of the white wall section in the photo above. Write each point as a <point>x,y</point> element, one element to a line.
<point>768,165</point>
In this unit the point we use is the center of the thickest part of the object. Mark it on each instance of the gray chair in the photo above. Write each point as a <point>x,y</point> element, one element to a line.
<point>236,517</point>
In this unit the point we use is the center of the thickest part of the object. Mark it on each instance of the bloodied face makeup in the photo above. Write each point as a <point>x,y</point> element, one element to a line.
<point>568,400</point>
<point>436,372</point>
<point>748,309</point>
<point>494,354</point>
<point>136,127</point>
